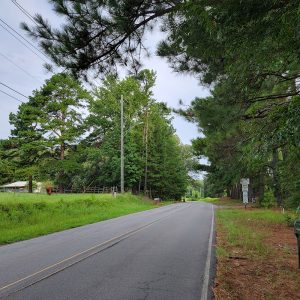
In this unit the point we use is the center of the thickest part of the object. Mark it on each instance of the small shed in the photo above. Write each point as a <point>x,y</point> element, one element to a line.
<point>18,186</point>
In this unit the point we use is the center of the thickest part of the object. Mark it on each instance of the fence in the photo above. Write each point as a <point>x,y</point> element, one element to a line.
<point>88,190</point>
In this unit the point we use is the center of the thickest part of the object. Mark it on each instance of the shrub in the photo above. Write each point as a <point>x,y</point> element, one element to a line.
<point>268,200</point>
<point>290,218</point>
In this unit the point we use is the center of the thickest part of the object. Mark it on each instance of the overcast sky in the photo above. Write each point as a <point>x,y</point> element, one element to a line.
<point>23,70</point>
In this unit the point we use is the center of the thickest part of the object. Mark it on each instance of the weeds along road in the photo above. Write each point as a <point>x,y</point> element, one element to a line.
<point>164,253</point>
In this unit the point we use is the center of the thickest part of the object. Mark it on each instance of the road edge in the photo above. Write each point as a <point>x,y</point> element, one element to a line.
<point>206,278</point>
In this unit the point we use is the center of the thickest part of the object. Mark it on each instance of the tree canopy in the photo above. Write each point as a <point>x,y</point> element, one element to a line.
<point>99,34</point>
<point>247,52</point>
<point>71,136</point>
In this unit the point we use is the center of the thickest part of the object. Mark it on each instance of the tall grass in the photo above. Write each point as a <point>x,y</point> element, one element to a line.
<point>242,229</point>
<point>23,216</point>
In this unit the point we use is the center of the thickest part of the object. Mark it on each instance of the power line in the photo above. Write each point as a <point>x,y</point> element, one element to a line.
<point>24,11</point>
<point>35,47</point>
<point>13,89</point>
<point>11,96</point>
<point>12,62</point>
<point>32,45</point>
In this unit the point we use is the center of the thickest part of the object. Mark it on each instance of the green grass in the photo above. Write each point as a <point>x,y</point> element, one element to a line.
<point>220,201</point>
<point>242,229</point>
<point>245,216</point>
<point>23,216</point>
<point>209,200</point>
<point>253,245</point>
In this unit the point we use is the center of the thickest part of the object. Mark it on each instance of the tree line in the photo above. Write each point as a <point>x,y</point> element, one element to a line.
<point>249,56</point>
<point>246,52</point>
<point>71,136</point>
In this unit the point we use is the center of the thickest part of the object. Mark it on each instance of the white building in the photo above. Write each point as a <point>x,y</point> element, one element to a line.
<point>18,186</point>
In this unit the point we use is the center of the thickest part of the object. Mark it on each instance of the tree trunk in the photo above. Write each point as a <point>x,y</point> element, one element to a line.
<point>276,181</point>
<point>261,188</point>
<point>30,190</point>
<point>228,191</point>
<point>232,195</point>
<point>61,172</point>
<point>240,193</point>
<point>139,188</point>
<point>146,154</point>
<point>285,192</point>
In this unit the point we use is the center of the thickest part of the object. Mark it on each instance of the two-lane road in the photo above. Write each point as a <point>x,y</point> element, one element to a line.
<point>164,253</point>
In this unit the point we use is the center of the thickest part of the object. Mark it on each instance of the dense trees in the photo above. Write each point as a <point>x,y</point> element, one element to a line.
<point>71,136</point>
<point>249,53</point>
<point>153,161</point>
<point>246,51</point>
<point>48,125</point>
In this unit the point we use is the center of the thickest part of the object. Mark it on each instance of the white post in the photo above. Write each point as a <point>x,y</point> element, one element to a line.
<point>122,144</point>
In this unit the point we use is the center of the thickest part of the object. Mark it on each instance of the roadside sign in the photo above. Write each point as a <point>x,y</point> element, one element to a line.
<point>245,182</point>
<point>245,197</point>
<point>244,187</point>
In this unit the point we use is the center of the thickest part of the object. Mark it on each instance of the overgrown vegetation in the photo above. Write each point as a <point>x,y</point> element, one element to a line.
<point>71,136</point>
<point>195,190</point>
<point>256,246</point>
<point>23,216</point>
<point>246,52</point>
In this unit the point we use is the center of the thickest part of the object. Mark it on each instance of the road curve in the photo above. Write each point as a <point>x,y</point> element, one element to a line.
<point>164,253</point>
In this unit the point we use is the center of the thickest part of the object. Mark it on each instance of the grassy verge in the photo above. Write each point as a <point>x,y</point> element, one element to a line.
<point>23,216</point>
<point>221,201</point>
<point>256,255</point>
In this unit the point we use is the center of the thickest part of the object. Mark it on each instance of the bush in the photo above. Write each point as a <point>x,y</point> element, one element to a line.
<point>268,200</point>
<point>293,201</point>
<point>290,218</point>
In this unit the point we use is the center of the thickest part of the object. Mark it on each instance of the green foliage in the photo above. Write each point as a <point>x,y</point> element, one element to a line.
<point>153,155</point>
<point>106,34</point>
<point>290,218</point>
<point>246,51</point>
<point>195,190</point>
<point>268,200</point>
<point>47,126</point>
<point>23,216</point>
<point>238,226</point>
<point>52,140</point>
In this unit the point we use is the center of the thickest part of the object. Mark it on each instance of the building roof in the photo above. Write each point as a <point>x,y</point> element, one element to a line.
<point>17,184</point>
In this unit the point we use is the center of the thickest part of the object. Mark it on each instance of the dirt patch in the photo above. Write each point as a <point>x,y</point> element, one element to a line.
<point>274,276</point>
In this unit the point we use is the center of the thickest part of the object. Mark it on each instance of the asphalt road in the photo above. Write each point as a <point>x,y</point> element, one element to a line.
<point>164,253</point>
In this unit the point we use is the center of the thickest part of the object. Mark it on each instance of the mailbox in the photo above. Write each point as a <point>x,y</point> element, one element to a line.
<point>297,233</point>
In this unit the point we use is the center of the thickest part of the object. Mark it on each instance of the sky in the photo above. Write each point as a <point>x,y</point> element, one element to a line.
<point>23,71</point>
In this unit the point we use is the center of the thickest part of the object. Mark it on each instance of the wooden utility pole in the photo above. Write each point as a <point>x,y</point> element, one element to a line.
<point>146,153</point>
<point>122,144</point>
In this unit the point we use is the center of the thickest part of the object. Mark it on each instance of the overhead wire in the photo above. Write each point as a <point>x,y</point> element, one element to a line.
<point>13,33</point>
<point>13,97</point>
<point>32,45</point>
<point>17,36</point>
<point>24,11</point>
<point>12,62</point>
<point>13,90</point>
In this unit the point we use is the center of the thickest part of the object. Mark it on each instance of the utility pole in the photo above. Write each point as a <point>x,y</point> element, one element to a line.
<point>146,153</point>
<point>122,144</point>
